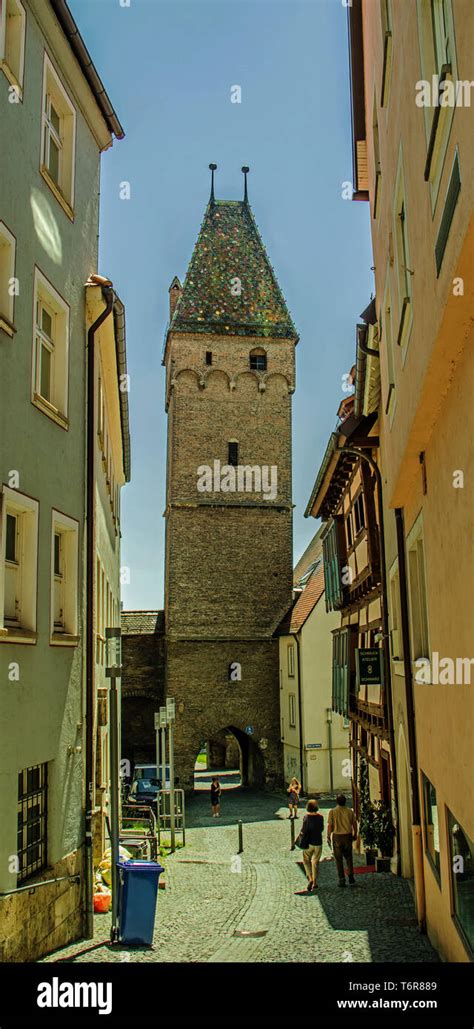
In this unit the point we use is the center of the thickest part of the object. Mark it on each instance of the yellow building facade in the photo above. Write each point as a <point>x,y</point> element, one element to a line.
<point>413,163</point>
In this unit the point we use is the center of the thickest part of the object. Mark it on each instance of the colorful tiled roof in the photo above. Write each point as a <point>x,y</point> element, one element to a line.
<point>229,247</point>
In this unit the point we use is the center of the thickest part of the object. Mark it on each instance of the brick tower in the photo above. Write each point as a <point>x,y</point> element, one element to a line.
<point>230,367</point>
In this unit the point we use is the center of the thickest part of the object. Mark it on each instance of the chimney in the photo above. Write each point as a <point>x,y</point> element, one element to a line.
<point>174,291</point>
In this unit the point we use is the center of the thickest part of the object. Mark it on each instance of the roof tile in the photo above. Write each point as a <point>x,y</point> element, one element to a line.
<point>229,246</point>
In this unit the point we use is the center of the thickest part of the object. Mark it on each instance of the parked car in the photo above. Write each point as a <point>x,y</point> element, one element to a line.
<point>151,772</point>
<point>144,791</point>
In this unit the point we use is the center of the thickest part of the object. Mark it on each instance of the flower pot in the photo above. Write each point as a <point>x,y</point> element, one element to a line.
<point>370,856</point>
<point>382,864</point>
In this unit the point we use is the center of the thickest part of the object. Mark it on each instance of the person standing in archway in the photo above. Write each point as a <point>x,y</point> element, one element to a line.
<point>293,792</point>
<point>215,797</point>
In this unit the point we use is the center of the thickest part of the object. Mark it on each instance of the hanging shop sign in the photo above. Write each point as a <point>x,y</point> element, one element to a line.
<point>369,666</point>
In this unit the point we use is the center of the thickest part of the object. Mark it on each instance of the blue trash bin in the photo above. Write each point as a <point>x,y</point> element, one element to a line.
<point>138,888</point>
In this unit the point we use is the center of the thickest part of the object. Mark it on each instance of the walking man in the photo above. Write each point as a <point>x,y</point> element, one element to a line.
<point>342,823</point>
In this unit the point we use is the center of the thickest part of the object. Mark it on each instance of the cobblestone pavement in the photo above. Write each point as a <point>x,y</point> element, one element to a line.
<point>212,894</point>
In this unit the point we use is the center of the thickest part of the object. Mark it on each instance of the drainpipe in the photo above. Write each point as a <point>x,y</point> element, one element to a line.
<point>410,706</point>
<point>300,713</point>
<point>385,644</point>
<point>329,724</point>
<point>108,294</point>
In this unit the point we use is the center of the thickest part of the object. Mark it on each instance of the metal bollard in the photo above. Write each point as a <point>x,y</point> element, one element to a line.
<point>241,836</point>
<point>292,831</point>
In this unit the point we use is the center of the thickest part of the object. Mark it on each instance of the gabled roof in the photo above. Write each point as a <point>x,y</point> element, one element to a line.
<point>337,465</point>
<point>229,247</point>
<point>306,603</point>
<point>303,605</point>
<point>143,622</point>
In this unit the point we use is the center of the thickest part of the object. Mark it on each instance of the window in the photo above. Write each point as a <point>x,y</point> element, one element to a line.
<point>98,608</point>
<point>64,578</point>
<point>349,529</point>
<point>452,193</point>
<point>334,555</point>
<point>359,515</point>
<point>346,722</point>
<point>395,615</point>
<point>441,33</point>
<point>377,167</point>
<point>417,592</point>
<point>58,138</point>
<point>439,69</point>
<point>233,453</point>
<point>387,339</point>
<point>402,261</point>
<point>258,360</point>
<point>309,571</point>
<point>384,772</point>
<point>386,14</point>
<point>208,357</point>
<point>50,351</point>
<point>7,273</point>
<point>12,42</point>
<point>292,705</point>
<point>432,849</point>
<point>291,659</point>
<point>100,412</point>
<point>19,549</point>
<point>32,812</point>
<point>341,670</point>
<point>462,879</point>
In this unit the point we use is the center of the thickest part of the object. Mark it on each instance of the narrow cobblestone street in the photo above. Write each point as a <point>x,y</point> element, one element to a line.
<point>211,895</point>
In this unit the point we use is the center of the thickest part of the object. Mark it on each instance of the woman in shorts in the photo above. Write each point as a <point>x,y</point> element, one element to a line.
<point>215,797</point>
<point>293,792</point>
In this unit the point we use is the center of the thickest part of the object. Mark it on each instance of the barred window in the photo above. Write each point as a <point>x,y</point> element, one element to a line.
<point>32,810</point>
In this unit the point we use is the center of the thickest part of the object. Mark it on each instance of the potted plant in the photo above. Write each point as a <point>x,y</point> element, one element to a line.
<point>367,820</point>
<point>384,833</point>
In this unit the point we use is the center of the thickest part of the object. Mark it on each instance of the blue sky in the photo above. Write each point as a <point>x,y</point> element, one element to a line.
<point>168,68</point>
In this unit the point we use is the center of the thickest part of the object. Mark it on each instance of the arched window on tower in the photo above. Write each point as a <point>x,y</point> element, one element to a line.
<point>258,359</point>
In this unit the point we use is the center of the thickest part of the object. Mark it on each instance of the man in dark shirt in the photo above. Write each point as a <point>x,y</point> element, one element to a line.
<point>312,835</point>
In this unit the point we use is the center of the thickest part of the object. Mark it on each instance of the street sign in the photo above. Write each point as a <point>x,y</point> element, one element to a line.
<point>313,746</point>
<point>249,730</point>
<point>157,720</point>
<point>170,708</point>
<point>369,667</point>
<point>163,719</point>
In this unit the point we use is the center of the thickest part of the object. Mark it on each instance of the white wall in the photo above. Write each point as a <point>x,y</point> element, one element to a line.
<point>315,673</point>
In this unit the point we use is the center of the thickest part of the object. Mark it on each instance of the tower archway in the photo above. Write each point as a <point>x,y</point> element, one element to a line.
<point>235,756</point>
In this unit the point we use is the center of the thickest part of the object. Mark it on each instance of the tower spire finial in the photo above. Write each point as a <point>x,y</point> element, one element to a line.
<point>245,169</point>
<point>213,168</point>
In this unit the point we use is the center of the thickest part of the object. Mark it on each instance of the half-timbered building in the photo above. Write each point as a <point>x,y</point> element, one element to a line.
<point>346,496</point>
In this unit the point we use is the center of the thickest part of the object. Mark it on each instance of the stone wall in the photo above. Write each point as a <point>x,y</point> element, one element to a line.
<point>207,704</point>
<point>34,924</point>
<point>143,657</point>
